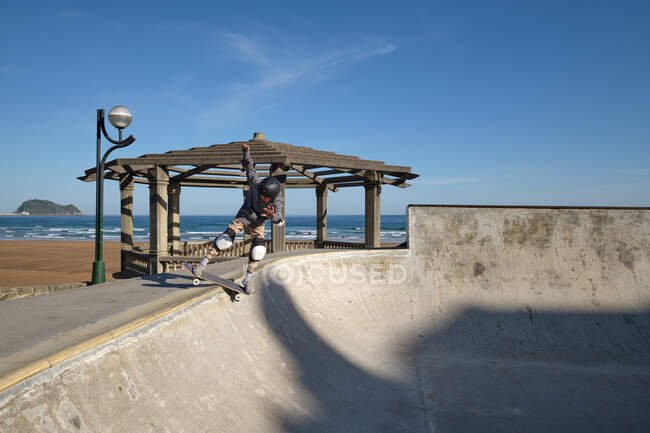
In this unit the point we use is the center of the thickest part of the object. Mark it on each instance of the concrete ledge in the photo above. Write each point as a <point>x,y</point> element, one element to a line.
<point>35,367</point>
<point>7,293</point>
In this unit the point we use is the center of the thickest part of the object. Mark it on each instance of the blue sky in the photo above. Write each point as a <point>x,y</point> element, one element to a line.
<point>539,103</point>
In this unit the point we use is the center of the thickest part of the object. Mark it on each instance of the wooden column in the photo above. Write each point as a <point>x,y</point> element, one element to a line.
<point>174,218</point>
<point>373,212</point>
<point>158,182</point>
<point>247,237</point>
<point>278,233</point>
<point>126,217</point>
<point>321,214</point>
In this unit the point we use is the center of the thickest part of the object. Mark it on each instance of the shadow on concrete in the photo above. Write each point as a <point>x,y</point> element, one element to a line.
<point>508,371</point>
<point>172,281</point>
<point>350,399</point>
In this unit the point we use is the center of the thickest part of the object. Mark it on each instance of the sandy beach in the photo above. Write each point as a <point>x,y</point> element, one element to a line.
<point>26,263</point>
<point>30,263</point>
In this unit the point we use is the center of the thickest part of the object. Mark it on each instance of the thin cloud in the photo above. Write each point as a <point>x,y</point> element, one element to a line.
<point>275,70</point>
<point>245,48</point>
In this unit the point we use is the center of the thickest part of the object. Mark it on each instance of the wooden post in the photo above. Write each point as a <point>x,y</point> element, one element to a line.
<point>373,215</point>
<point>126,217</point>
<point>158,182</point>
<point>174,218</point>
<point>278,233</point>
<point>247,238</point>
<point>321,215</point>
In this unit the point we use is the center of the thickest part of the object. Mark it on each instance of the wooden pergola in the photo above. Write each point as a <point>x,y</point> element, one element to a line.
<point>219,166</point>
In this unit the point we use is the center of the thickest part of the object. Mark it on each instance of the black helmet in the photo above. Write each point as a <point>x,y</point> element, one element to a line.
<point>269,187</point>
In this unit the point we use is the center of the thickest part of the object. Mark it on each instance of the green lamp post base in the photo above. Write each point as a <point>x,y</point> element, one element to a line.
<point>99,272</point>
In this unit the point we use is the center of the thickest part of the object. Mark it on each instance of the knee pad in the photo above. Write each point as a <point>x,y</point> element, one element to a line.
<point>225,240</point>
<point>258,250</point>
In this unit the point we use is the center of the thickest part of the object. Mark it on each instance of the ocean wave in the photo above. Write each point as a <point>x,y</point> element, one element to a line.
<point>348,229</point>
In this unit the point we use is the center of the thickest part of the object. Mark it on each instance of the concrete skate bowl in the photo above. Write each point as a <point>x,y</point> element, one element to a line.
<point>531,320</point>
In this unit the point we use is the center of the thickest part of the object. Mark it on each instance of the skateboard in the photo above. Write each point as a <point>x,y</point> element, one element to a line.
<point>233,289</point>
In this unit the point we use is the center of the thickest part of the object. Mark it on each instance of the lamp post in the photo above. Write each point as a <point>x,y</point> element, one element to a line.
<point>120,117</point>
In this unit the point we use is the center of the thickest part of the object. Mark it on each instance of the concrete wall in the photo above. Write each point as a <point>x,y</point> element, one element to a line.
<point>547,252</point>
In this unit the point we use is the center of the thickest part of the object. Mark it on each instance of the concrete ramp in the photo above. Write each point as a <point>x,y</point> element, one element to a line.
<point>494,319</point>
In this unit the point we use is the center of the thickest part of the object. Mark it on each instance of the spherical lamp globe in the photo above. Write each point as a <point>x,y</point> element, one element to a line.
<point>120,117</point>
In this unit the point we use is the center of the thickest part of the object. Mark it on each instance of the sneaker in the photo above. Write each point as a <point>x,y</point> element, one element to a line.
<point>245,284</point>
<point>198,269</point>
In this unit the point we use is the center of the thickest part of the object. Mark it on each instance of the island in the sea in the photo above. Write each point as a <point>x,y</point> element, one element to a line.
<point>46,207</point>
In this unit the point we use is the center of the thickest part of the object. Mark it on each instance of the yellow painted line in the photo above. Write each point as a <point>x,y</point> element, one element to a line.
<point>36,367</point>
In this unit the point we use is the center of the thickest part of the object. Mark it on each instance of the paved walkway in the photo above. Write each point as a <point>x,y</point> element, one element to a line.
<point>35,327</point>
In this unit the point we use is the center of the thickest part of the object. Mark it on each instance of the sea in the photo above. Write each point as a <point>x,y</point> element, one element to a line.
<point>348,228</point>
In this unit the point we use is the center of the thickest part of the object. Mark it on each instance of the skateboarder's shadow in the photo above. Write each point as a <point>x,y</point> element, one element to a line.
<point>172,281</point>
<point>348,395</point>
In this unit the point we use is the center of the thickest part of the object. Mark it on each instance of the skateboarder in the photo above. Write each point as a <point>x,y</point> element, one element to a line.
<point>263,201</point>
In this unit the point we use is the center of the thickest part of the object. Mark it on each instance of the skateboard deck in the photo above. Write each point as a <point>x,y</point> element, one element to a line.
<point>233,289</point>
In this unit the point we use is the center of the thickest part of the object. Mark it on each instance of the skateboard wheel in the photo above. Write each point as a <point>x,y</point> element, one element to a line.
<point>237,298</point>
<point>196,281</point>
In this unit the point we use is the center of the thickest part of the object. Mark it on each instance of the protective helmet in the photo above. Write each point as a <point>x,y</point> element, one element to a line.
<point>269,187</point>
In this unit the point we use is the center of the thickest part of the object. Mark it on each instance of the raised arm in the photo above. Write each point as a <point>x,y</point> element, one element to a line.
<point>247,164</point>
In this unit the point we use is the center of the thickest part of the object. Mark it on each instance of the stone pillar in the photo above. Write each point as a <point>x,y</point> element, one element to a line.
<point>321,215</point>
<point>373,213</point>
<point>158,182</point>
<point>174,218</point>
<point>278,233</point>
<point>126,217</point>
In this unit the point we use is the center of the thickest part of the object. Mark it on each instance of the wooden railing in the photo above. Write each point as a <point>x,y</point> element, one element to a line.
<point>138,262</point>
<point>299,245</point>
<point>341,245</point>
<point>238,249</point>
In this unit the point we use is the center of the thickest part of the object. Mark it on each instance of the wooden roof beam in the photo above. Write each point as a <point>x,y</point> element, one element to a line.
<point>319,180</point>
<point>214,180</point>
<point>188,173</point>
<point>342,179</point>
<point>216,161</point>
<point>355,171</point>
<point>349,184</point>
<point>209,185</point>
<point>110,176</point>
<point>353,165</point>
<point>401,183</point>
<point>135,172</point>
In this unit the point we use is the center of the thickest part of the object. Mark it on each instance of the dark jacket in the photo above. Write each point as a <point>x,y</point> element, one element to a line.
<point>253,205</point>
